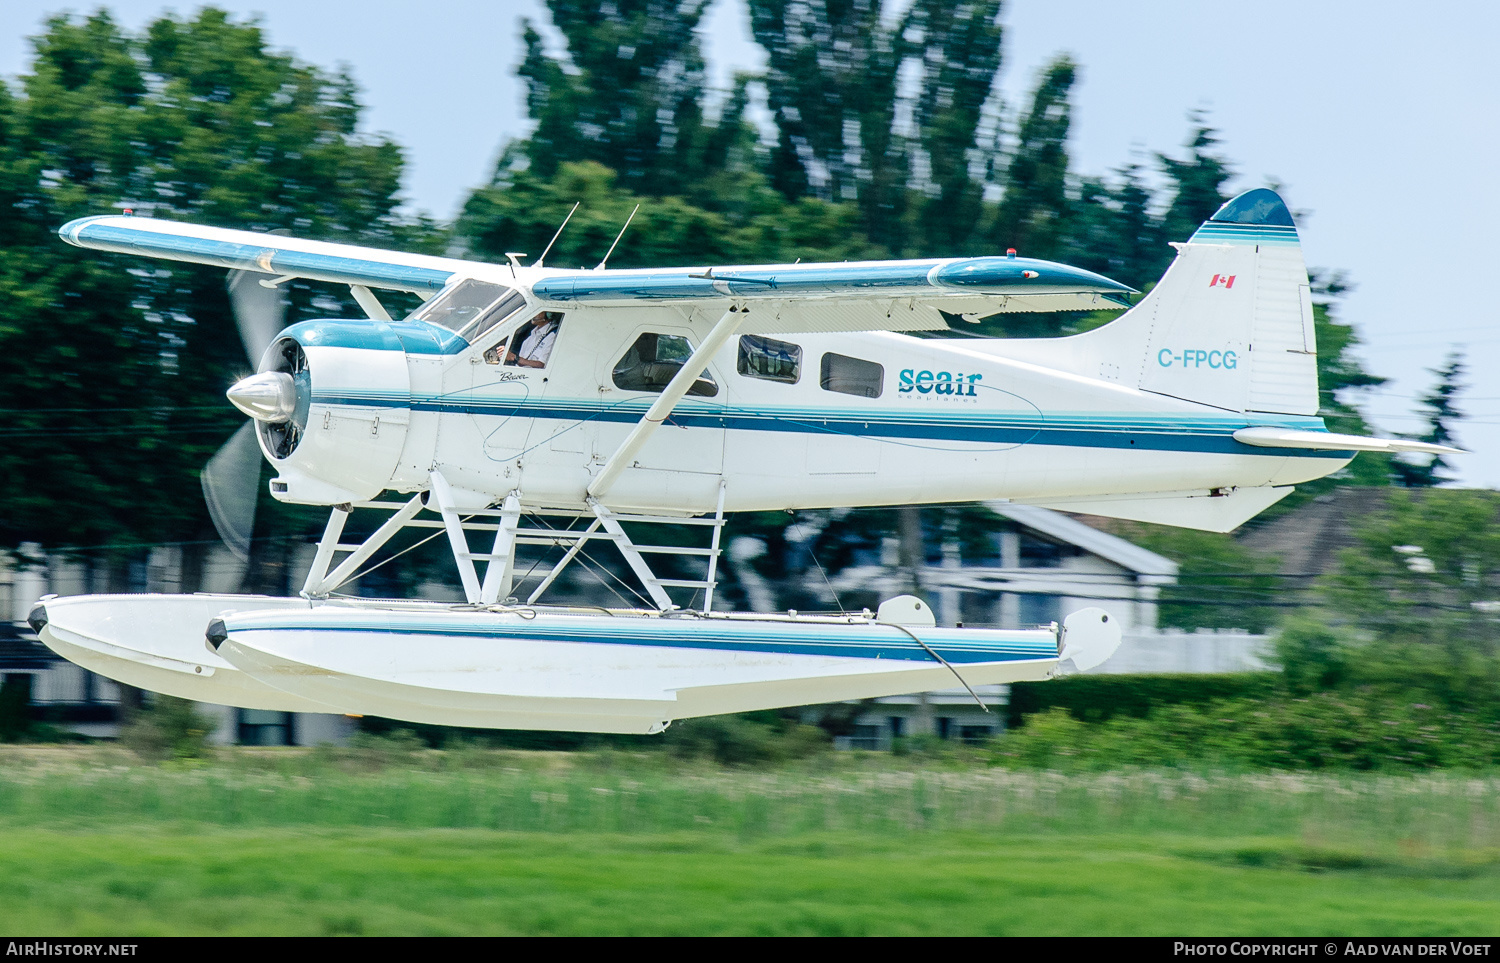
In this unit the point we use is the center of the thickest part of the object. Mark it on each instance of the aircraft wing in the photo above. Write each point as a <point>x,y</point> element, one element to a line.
<point>907,295</point>
<point>265,253</point>
<point>910,295</point>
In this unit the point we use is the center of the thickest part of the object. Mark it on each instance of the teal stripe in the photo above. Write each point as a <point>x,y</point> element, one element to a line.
<point>1009,429</point>
<point>1213,232</point>
<point>859,641</point>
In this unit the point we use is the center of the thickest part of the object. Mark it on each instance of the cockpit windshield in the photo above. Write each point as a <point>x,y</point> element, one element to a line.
<point>467,306</point>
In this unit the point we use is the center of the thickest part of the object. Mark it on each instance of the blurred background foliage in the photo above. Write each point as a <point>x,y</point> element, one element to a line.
<point>197,118</point>
<point>873,138</point>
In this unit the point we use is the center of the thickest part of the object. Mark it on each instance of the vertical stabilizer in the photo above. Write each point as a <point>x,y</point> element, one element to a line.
<point>1229,325</point>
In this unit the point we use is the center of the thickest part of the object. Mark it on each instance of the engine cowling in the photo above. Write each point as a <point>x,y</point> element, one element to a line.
<point>349,412</point>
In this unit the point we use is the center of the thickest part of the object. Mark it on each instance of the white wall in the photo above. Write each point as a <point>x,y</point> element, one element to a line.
<point>1201,651</point>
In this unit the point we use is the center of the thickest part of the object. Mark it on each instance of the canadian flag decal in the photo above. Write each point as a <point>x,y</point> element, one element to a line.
<point>1225,279</point>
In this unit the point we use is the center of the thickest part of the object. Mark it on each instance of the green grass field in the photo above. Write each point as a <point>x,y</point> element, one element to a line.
<point>93,843</point>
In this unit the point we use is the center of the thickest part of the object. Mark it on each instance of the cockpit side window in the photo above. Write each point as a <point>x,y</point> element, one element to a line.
<point>653,361</point>
<point>769,359</point>
<point>468,301</point>
<point>497,314</point>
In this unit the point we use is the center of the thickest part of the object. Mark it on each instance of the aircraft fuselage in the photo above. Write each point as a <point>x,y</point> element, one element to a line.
<point>949,420</point>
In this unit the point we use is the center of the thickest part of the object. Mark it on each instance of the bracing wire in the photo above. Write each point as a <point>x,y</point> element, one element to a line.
<point>814,556</point>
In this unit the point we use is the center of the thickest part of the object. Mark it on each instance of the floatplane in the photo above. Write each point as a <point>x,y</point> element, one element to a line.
<point>600,399</point>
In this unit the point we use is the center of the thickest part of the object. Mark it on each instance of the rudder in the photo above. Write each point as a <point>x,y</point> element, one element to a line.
<point>1232,323</point>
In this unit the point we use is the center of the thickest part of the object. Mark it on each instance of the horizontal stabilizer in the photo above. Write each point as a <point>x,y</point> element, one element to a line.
<point>1209,511</point>
<point>1329,441</point>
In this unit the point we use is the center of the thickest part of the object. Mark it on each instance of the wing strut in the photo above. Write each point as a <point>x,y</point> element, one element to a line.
<point>369,302</point>
<point>659,411</point>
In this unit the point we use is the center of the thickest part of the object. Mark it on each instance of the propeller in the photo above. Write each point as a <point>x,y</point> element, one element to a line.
<point>231,479</point>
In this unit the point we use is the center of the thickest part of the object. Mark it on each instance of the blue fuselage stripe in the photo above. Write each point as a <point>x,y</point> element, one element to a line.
<point>1144,433</point>
<point>867,645</point>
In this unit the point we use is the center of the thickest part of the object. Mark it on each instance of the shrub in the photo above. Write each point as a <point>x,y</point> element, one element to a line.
<point>1099,698</point>
<point>1312,656</point>
<point>746,738</point>
<point>169,728</point>
<point>1358,730</point>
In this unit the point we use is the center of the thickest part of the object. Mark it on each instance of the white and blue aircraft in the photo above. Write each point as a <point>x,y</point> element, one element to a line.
<point>673,396</point>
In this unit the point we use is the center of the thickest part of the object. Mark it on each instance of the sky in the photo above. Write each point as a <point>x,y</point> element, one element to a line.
<point>1379,121</point>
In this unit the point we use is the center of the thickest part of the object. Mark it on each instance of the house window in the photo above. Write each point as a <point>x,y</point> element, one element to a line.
<point>769,360</point>
<point>263,727</point>
<point>973,735</point>
<point>1039,609</point>
<point>851,376</point>
<point>1043,553</point>
<point>654,360</point>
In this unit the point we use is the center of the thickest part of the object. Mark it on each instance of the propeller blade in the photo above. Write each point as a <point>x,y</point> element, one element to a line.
<point>231,485</point>
<point>259,311</point>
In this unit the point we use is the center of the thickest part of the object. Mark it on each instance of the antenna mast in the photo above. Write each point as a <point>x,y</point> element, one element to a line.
<point>557,235</point>
<point>600,265</point>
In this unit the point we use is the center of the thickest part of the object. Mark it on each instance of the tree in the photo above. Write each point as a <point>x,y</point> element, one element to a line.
<point>521,211</point>
<point>959,46</point>
<point>1423,587</point>
<point>112,369</point>
<point>1197,182</point>
<point>1034,208</point>
<point>629,94</point>
<point>831,86</point>
<point>1426,471</point>
<point>1112,230</point>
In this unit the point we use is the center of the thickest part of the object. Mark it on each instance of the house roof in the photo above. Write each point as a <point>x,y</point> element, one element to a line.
<point>1127,555</point>
<point>1307,540</point>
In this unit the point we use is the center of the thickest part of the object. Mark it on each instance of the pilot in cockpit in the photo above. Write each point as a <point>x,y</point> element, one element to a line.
<point>536,343</point>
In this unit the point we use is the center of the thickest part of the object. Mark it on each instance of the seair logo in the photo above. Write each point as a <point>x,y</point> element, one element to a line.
<point>1194,358</point>
<point>940,383</point>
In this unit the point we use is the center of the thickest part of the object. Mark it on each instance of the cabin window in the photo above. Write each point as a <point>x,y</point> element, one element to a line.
<point>851,376</point>
<point>654,360</point>
<point>459,306</point>
<point>769,359</point>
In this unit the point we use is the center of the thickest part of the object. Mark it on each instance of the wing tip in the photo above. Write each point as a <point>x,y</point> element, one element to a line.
<point>69,232</point>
